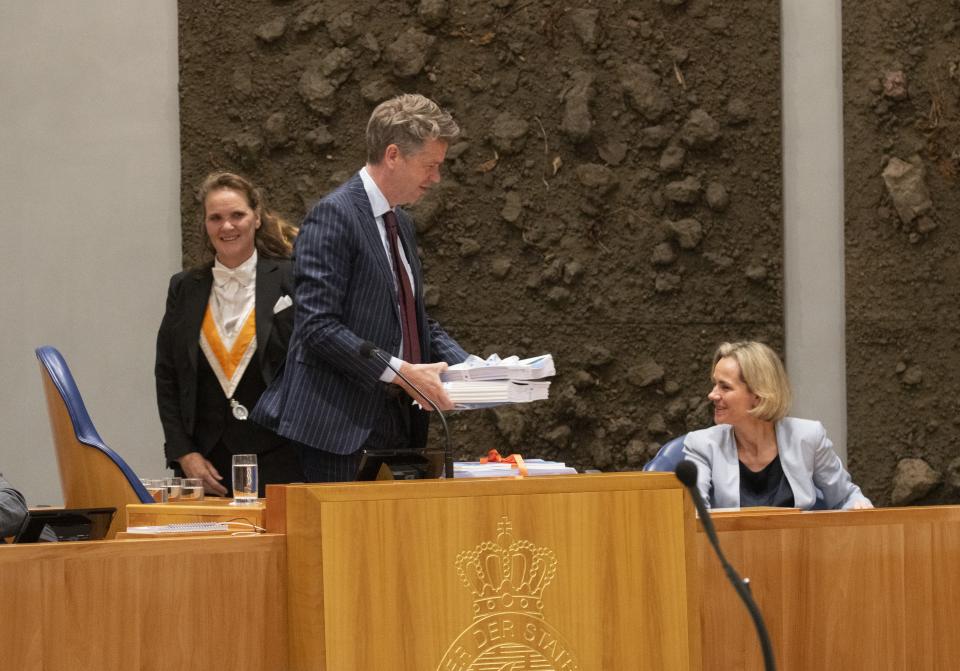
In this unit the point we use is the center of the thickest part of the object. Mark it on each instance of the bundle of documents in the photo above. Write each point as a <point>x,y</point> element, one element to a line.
<point>478,383</point>
<point>495,368</point>
<point>469,394</point>
<point>474,469</point>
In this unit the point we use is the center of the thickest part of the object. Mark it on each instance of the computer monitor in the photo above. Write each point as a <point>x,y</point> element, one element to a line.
<point>401,464</point>
<point>78,524</point>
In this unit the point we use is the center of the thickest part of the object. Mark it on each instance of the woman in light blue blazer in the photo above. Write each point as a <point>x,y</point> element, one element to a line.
<point>755,455</point>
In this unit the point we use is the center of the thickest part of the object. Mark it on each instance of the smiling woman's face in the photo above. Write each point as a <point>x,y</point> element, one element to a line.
<point>231,225</point>
<point>732,399</point>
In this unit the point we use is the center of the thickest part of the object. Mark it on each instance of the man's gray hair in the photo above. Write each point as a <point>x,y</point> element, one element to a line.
<point>408,121</point>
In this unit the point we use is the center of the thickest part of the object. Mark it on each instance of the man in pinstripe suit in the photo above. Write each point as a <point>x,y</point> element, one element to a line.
<point>330,398</point>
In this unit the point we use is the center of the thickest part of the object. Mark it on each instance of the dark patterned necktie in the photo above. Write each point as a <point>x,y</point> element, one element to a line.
<point>408,307</point>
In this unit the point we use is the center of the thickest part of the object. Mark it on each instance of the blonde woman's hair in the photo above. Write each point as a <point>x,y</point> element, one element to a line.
<point>763,373</point>
<point>408,121</point>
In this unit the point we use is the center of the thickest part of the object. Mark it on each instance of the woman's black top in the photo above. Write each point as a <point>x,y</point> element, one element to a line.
<point>766,487</point>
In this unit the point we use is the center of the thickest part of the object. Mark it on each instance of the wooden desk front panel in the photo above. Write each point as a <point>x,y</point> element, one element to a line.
<point>393,597</point>
<point>152,604</point>
<point>876,590</point>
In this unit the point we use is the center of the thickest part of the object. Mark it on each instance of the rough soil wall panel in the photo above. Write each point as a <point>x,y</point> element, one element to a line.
<point>615,199</point>
<point>902,154</point>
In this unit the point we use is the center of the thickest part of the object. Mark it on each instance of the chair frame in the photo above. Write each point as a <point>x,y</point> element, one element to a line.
<point>91,474</point>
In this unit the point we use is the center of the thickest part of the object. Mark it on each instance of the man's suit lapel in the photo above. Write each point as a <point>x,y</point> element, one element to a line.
<point>267,293</point>
<point>371,233</point>
<point>194,307</point>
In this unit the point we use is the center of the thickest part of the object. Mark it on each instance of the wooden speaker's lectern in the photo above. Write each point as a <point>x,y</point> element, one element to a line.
<point>591,572</point>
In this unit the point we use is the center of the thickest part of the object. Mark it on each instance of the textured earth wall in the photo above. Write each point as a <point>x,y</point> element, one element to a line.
<point>902,128</point>
<point>615,199</point>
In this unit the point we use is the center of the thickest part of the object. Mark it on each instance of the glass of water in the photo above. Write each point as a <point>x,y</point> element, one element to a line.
<point>174,488</point>
<point>245,478</point>
<point>157,489</point>
<point>191,489</point>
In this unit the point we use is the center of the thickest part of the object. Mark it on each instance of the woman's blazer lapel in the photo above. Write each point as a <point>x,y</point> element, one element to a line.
<point>267,294</point>
<point>194,306</point>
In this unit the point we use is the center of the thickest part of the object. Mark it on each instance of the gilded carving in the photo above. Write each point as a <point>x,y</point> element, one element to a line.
<point>507,578</point>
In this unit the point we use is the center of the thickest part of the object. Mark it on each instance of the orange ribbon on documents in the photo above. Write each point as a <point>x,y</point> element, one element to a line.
<point>515,460</point>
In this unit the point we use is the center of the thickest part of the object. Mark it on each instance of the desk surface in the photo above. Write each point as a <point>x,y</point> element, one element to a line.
<point>791,518</point>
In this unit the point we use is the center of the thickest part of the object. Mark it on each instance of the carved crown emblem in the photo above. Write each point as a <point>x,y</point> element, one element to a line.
<point>507,575</point>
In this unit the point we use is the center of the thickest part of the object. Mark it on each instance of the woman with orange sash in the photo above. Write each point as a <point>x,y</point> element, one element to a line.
<point>223,338</point>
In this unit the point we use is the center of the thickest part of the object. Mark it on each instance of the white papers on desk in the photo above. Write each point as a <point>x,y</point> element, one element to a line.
<point>474,469</point>
<point>182,528</point>
<point>472,394</point>
<point>495,368</point>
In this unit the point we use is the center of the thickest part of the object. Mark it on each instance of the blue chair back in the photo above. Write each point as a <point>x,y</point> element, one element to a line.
<point>668,457</point>
<point>91,474</point>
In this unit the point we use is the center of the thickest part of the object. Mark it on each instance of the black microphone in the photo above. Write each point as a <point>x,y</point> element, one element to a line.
<point>369,350</point>
<point>686,473</point>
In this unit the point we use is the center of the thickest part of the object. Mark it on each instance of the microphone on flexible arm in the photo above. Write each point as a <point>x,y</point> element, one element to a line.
<point>686,473</point>
<point>370,351</point>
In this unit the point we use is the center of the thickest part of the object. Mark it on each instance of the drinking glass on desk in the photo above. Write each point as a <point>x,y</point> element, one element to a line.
<point>245,479</point>
<point>191,489</point>
<point>174,488</point>
<point>157,489</point>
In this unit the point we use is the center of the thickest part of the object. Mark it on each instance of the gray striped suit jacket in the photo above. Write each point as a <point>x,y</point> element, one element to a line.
<point>328,395</point>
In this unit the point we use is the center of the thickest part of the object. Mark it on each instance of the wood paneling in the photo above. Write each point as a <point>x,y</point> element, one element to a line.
<point>199,603</point>
<point>874,589</point>
<point>372,583</point>
<point>381,558</point>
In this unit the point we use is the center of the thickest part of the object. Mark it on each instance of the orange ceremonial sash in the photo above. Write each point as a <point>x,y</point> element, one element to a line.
<point>228,360</point>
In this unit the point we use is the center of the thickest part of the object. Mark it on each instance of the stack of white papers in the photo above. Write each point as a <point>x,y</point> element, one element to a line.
<point>495,368</point>
<point>478,383</point>
<point>474,469</point>
<point>183,528</point>
<point>471,395</point>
